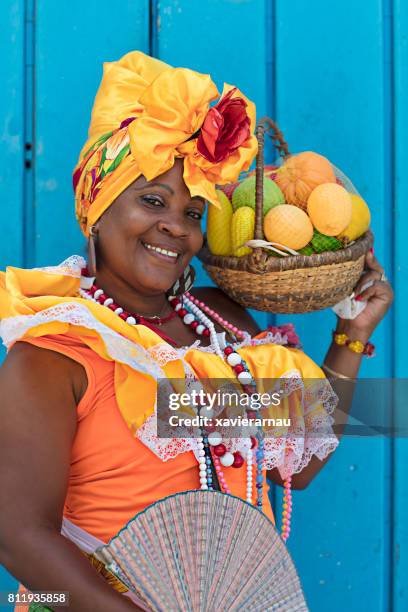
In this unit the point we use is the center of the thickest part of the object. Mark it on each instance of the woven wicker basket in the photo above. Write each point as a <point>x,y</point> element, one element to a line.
<point>292,284</point>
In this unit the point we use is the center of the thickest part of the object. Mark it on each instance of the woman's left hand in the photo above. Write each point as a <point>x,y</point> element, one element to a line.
<point>378,296</point>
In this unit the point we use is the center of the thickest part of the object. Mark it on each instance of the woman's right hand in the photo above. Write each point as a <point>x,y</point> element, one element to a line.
<point>378,297</point>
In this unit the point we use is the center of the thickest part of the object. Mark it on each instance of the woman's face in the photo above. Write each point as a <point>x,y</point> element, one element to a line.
<point>150,232</point>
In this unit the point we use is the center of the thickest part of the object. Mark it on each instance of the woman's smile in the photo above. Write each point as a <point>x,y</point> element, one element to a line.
<point>162,252</point>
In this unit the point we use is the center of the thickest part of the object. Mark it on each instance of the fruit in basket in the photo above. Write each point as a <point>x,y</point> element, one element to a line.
<point>321,243</point>
<point>360,219</point>
<point>242,229</point>
<point>219,226</point>
<point>307,250</point>
<point>300,174</point>
<point>288,225</point>
<point>329,207</point>
<point>244,194</point>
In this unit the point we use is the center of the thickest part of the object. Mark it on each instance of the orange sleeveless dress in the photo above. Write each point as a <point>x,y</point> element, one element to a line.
<point>113,475</point>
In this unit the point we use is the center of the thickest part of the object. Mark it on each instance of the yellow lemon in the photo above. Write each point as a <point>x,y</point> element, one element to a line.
<point>329,207</point>
<point>288,225</point>
<point>360,219</point>
<point>219,226</point>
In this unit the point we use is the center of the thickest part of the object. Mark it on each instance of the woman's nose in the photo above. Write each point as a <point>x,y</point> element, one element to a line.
<point>174,225</point>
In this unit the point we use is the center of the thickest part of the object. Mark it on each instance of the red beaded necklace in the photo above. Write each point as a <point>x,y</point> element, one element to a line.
<point>152,323</point>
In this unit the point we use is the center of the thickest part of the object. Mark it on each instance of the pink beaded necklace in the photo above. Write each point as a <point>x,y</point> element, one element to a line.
<point>218,318</point>
<point>211,450</point>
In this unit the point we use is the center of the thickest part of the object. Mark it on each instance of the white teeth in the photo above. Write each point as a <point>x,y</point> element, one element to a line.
<point>159,250</point>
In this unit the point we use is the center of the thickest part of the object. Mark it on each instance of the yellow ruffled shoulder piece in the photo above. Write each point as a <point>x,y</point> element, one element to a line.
<point>44,301</point>
<point>39,302</point>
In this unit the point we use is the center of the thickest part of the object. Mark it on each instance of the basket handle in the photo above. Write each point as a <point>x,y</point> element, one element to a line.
<point>278,141</point>
<point>265,125</point>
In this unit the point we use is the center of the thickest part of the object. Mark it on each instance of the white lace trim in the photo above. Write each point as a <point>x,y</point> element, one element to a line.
<point>70,267</point>
<point>269,338</point>
<point>118,347</point>
<point>287,448</point>
<point>164,353</point>
<point>310,434</point>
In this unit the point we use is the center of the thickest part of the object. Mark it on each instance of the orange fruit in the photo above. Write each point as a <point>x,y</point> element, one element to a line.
<point>329,207</point>
<point>300,174</point>
<point>288,225</point>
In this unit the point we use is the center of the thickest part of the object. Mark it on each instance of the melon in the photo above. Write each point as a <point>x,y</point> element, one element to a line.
<point>244,194</point>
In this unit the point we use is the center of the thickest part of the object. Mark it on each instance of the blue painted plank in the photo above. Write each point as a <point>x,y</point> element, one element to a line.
<point>69,61</point>
<point>332,97</point>
<point>12,133</point>
<point>218,50</point>
<point>400,497</point>
<point>401,185</point>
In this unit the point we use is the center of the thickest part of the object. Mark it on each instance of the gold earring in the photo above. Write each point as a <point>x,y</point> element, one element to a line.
<point>92,251</point>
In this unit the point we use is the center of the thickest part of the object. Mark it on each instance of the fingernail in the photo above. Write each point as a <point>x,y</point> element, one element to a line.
<point>372,250</point>
<point>358,298</point>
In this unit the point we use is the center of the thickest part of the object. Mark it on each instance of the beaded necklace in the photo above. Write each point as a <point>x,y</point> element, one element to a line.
<point>211,450</point>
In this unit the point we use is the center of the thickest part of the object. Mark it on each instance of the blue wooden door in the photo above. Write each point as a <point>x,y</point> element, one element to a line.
<point>335,76</point>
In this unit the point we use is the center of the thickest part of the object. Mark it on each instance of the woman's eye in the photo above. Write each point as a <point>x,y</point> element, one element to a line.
<point>195,215</point>
<point>152,200</point>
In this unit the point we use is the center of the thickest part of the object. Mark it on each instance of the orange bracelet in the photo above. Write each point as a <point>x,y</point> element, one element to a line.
<point>354,345</point>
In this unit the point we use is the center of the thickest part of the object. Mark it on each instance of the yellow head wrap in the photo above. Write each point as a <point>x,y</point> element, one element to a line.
<point>146,114</point>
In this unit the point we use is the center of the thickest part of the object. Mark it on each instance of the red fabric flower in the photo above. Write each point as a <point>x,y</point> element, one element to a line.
<point>225,128</point>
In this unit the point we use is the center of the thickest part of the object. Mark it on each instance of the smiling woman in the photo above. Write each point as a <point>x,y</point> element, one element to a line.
<point>146,240</point>
<point>88,343</point>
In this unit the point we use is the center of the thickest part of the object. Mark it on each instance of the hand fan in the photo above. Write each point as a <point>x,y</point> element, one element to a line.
<point>202,551</point>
